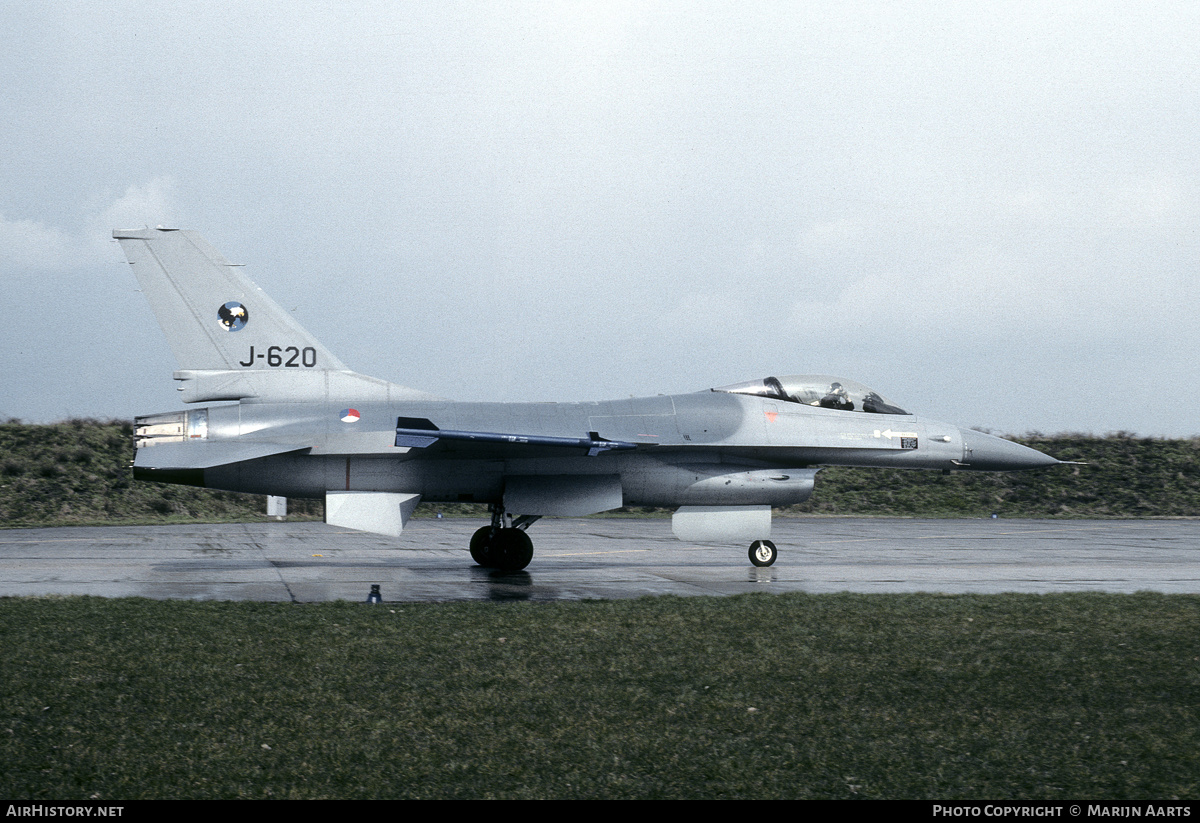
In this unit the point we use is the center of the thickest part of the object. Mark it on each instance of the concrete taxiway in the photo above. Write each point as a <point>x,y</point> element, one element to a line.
<point>599,558</point>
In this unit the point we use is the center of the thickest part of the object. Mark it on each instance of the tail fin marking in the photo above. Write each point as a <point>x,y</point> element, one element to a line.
<point>231,341</point>
<point>214,317</point>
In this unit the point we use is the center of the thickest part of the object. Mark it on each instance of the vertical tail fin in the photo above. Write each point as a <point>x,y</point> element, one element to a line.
<point>231,341</point>
<point>212,314</point>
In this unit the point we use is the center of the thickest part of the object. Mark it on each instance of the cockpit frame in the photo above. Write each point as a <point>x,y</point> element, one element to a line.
<point>819,390</point>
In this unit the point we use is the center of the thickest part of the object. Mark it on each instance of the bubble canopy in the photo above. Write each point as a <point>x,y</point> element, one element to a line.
<point>817,390</point>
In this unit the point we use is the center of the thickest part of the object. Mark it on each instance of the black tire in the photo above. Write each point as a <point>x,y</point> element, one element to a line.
<point>763,553</point>
<point>512,550</point>
<point>481,544</point>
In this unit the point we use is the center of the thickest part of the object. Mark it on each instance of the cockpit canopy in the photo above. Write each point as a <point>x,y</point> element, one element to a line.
<point>817,390</point>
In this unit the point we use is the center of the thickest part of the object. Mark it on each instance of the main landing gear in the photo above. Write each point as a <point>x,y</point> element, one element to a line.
<point>763,553</point>
<point>503,547</point>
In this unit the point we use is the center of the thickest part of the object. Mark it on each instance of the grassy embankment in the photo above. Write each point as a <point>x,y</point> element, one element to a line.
<point>1125,476</point>
<point>77,472</point>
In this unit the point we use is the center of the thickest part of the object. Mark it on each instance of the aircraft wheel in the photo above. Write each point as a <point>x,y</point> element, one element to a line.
<point>481,546</point>
<point>763,553</point>
<point>512,550</point>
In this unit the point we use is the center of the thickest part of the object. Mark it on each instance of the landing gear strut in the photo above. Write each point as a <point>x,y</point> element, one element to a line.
<point>501,546</point>
<point>763,553</point>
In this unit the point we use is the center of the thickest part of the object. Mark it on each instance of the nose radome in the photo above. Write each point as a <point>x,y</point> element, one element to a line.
<point>983,452</point>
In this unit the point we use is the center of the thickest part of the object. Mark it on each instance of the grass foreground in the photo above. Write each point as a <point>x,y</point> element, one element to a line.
<point>755,696</point>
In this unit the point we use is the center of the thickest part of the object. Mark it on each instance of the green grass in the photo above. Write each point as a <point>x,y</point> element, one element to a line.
<point>893,696</point>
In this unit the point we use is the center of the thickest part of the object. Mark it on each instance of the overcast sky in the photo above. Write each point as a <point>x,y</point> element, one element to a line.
<point>986,212</point>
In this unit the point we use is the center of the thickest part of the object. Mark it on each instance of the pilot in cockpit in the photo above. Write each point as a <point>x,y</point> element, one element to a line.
<point>837,398</point>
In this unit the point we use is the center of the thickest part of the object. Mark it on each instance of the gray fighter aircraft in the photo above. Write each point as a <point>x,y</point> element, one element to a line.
<point>306,426</point>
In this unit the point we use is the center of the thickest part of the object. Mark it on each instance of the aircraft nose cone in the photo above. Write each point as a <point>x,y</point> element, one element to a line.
<point>983,452</point>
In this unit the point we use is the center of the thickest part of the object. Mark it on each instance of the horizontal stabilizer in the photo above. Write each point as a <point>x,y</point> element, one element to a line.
<point>376,512</point>
<point>206,454</point>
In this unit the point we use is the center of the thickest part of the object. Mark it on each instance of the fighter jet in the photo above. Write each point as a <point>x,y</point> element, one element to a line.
<point>302,424</point>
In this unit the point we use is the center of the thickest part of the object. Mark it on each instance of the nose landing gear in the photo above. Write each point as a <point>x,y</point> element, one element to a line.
<point>763,553</point>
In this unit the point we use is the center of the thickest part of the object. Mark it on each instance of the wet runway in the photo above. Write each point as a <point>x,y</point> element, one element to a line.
<point>599,558</point>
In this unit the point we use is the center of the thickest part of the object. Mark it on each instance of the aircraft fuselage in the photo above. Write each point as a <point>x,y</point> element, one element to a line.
<point>703,448</point>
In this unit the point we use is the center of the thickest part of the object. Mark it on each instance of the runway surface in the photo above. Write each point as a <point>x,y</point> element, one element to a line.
<point>599,558</point>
